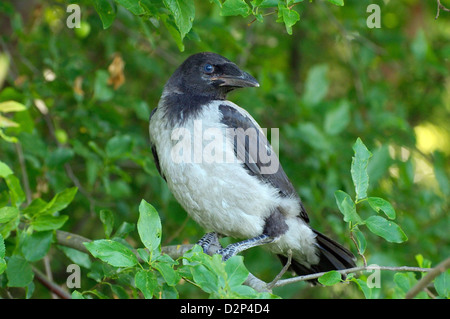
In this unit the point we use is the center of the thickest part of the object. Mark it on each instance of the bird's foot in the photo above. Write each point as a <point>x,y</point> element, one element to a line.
<point>210,243</point>
<point>233,249</point>
<point>228,252</point>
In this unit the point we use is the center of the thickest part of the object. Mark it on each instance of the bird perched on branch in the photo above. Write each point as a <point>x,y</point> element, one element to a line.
<point>221,168</point>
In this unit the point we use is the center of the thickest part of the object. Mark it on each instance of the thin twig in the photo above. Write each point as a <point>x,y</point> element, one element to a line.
<point>348,271</point>
<point>272,12</point>
<point>440,7</point>
<point>48,273</point>
<point>282,272</point>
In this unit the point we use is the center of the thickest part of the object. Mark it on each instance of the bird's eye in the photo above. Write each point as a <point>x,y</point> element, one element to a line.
<point>208,68</point>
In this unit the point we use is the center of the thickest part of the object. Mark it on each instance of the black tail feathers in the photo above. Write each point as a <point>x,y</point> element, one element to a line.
<point>333,256</point>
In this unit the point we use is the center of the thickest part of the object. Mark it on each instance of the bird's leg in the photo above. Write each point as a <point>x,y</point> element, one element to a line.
<point>233,249</point>
<point>210,243</point>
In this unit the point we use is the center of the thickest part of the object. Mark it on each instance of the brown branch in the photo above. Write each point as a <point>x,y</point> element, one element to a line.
<point>50,285</point>
<point>176,251</point>
<point>72,241</point>
<point>423,283</point>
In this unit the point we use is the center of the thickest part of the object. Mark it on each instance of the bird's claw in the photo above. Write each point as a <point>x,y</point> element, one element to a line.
<point>227,252</point>
<point>210,243</point>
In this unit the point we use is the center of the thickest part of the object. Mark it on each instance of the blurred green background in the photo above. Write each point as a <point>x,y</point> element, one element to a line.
<point>89,92</point>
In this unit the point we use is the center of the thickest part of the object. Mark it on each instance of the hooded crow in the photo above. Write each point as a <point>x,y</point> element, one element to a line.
<point>221,168</point>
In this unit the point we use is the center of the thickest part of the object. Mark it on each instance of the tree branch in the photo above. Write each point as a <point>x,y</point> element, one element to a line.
<point>439,7</point>
<point>282,272</point>
<point>348,271</point>
<point>176,251</point>
<point>72,241</point>
<point>422,284</point>
<point>50,285</point>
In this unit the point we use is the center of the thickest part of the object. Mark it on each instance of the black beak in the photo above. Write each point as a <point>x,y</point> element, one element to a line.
<point>237,81</point>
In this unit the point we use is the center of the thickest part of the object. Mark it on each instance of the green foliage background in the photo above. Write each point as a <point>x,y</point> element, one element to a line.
<point>326,79</point>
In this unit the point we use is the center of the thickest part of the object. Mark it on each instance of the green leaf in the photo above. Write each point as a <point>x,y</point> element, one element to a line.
<point>36,206</point>
<point>442,284</point>
<point>368,292</point>
<point>19,272</point>
<point>4,170</point>
<point>77,295</point>
<point>330,278</point>
<point>313,136</point>
<point>8,213</point>
<point>405,281</point>
<point>169,274</point>
<point>144,254</point>
<point>59,157</point>
<point>112,252</point>
<point>102,91</point>
<point>9,139</point>
<point>2,247</point>
<point>107,218</point>
<point>205,278</point>
<point>36,245</point>
<point>48,222</point>
<point>337,120</point>
<point>12,106</point>
<point>347,207</point>
<point>146,282</point>
<point>419,46</point>
<point>359,169</point>
<point>118,146</point>
<point>316,85</point>
<point>6,122</point>
<point>61,200</point>
<point>106,12</point>
<point>171,27</point>
<point>234,8</point>
<point>379,163</point>
<point>149,226</point>
<point>76,256</point>
<point>337,2</point>
<point>183,12</point>
<point>132,5</point>
<point>288,16</point>
<point>265,3</point>
<point>15,190</point>
<point>168,292</point>
<point>2,255</point>
<point>360,240</point>
<point>378,204</point>
<point>236,271</point>
<point>386,229</point>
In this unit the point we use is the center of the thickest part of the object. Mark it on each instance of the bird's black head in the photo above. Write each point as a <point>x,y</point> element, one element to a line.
<point>209,74</point>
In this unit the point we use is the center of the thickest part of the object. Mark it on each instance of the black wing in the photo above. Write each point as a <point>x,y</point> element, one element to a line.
<point>254,150</point>
<point>155,154</point>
